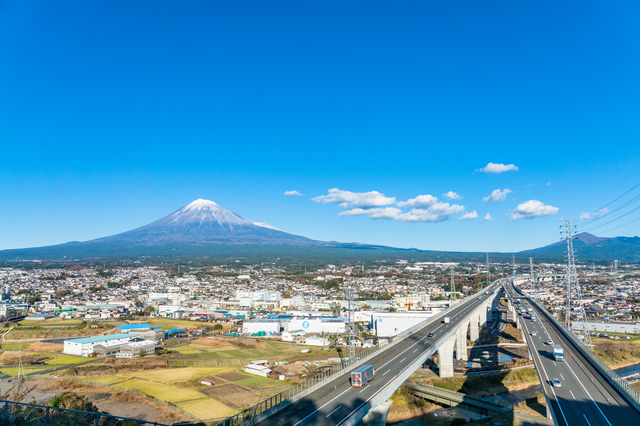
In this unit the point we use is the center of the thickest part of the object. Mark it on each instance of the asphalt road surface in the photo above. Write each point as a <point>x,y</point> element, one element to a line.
<point>335,402</point>
<point>585,397</point>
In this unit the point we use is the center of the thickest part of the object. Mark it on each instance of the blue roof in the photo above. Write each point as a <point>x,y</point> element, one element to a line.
<point>156,328</point>
<point>134,326</point>
<point>175,330</point>
<point>102,338</point>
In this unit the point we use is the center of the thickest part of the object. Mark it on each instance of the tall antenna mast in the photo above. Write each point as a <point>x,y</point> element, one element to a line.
<point>513,264</point>
<point>573,286</point>
<point>351,347</point>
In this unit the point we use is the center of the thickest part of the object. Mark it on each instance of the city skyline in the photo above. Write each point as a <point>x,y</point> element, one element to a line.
<point>438,127</point>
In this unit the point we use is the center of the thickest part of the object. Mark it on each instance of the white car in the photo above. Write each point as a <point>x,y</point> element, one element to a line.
<point>549,342</point>
<point>556,383</point>
<point>533,333</point>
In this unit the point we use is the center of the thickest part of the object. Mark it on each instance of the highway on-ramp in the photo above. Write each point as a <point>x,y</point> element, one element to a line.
<point>334,403</point>
<point>585,396</point>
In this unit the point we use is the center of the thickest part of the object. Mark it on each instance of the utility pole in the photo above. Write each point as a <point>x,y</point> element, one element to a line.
<point>573,286</point>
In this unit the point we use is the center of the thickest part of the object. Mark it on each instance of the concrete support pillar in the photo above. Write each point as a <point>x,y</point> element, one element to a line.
<point>377,416</point>
<point>483,315</point>
<point>518,321</point>
<point>474,333</point>
<point>461,341</point>
<point>489,307</point>
<point>445,357</point>
<point>549,416</point>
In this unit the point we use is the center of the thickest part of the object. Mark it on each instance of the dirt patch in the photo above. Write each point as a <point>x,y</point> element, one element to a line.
<point>244,400</point>
<point>213,342</point>
<point>54,348</point>
<point>222,390</point>
<point>213,380</point>
<point>118,402</point>
<point>232,377</point>
<point>290,369</point>
<point>252,344</point>
<point>13,358</point>
<point>618,354</point>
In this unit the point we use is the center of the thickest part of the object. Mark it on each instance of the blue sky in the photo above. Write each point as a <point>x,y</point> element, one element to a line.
<point>113,114</point>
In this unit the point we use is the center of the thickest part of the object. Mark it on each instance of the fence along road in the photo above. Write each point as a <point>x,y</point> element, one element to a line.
<point>586,396</point>
<point>336,401</point>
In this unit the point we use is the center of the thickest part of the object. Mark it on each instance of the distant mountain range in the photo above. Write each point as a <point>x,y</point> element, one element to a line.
<point>205,230</point>
<point>588,247</point>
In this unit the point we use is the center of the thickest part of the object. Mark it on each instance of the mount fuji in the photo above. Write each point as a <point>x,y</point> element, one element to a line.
<point>204,222</point>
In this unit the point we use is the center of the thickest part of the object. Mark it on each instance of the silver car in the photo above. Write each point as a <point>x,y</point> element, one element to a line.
<point>556,383</point>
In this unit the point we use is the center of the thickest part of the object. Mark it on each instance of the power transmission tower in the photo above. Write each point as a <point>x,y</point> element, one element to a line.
<point>488,274</point>
<point>452,297</point>
<point>573,287</point>
<point>532,276</point>
<point>349,294</point>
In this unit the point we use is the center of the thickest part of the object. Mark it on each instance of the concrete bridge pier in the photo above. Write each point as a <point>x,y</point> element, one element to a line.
<point>461,341</point>
<point>474,324</point>
<point>489,309</point>
<point>445,357</point>
<point>482,310</point>
<point>377,416</point>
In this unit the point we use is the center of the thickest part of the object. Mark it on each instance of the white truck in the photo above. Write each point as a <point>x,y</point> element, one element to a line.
<point>557,352</point>
<point>447,320</point>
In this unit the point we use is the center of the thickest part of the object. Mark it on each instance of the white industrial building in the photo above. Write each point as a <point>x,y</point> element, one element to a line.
<point>329,325</point>
<point>85,346</point>
<point>389,324</point>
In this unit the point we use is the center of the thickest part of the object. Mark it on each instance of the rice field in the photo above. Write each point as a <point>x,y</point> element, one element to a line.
<point>175,375</point>
<point>162,392</point>
<point>207,409</point>
<point>107,380</point>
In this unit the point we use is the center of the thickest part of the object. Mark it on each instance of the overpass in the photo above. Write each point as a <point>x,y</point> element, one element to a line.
<point>332,401</point>
<point>590,393</point>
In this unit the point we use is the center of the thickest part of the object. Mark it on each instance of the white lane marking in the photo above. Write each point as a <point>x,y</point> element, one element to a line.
<point>364,389</point>
<point>554,363</point>
<point>415,350</point>
<point>562,376</point>
<point>323,406</point>
<point>535,353</point>
<point>402,359</point>
<point>574,397</point>
<point>339,406</point>
<point>585,417</point>
<point>386,372</point>
<point>360,406</point>
<point>586,391</point>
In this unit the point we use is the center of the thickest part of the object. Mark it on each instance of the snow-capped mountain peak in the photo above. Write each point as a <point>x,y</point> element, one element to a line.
<point>205,211</point>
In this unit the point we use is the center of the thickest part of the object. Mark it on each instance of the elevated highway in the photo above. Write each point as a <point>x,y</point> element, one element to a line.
<point>587,396</point>
<point>336,403</point>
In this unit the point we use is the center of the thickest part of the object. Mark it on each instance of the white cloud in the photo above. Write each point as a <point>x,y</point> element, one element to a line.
<point>437,212</point>
<point>470,215</point>
<point>594,215</point>
<point>532,208</point>
<point>548,183</point>
<point>452,196</point>
<point>419,201</point>
<point>376,213</point>
<point>487,217</point>
<point>497,195</point>
<point>348,199</point>
<point>498,168</point>
<point>292,194</point>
